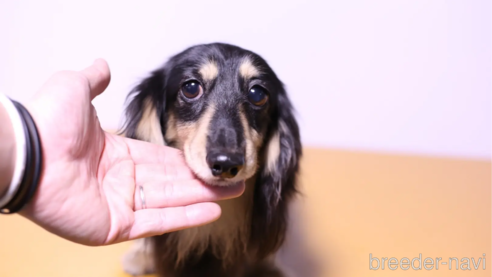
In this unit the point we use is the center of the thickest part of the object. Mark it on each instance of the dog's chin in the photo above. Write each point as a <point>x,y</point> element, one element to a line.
<point>203,172</point>
<point>213,181</point>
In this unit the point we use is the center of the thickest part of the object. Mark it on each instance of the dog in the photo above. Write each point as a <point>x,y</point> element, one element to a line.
<point>229,113</point>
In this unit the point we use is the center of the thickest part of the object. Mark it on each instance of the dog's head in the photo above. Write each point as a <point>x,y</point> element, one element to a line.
<point>225,108</point>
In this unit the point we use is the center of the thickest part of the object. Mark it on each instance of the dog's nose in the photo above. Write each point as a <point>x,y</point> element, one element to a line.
<point>225,165</point>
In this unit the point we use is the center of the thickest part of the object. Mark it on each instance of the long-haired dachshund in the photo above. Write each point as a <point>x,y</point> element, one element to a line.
<point>229,113</point>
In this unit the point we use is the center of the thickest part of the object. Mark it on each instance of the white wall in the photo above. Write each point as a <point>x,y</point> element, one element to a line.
<point>411,76</point>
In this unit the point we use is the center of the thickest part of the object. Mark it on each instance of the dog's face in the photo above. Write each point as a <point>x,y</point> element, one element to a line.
<point>221,105</point>
<point>218,110</point>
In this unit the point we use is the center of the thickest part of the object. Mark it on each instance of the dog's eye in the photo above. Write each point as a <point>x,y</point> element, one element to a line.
<point>192,89</point>
<point>257,95</point>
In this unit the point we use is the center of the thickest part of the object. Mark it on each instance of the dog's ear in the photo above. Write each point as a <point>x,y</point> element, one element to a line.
<point>145,111</point>
<point>276,181</point>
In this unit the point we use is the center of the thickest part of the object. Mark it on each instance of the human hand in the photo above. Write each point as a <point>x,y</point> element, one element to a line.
<point>89,187</point>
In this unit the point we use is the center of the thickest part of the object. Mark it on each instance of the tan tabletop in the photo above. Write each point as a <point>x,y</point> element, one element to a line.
<point>354,205</point>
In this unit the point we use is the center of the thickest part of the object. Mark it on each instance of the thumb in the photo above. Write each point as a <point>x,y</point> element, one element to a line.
<point>98,75</point>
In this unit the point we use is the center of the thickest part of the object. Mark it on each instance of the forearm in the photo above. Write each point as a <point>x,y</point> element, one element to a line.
<point>7,150</point>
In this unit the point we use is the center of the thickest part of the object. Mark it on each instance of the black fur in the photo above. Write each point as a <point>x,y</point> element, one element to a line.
<point>270,208</point>
<point>273,189</point>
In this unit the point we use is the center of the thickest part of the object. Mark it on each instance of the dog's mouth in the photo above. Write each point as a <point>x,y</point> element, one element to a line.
<point>226,184</point>
<point>221,182</point>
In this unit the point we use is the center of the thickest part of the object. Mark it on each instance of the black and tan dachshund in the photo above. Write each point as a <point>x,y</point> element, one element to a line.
<point>229,113</point>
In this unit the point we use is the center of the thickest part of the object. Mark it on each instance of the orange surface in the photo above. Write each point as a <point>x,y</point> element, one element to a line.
<point>354,204</point>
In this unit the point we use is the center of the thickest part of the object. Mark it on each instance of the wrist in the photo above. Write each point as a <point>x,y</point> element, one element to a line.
<point>7,150</point>
<point>28,158</point>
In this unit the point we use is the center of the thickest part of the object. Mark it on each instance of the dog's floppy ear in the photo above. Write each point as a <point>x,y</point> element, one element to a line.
<point>145,111</point>
<point>276,181</point>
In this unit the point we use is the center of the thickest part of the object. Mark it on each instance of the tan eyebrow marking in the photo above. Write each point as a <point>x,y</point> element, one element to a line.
<point>247,69</point>
<point>209,70</point>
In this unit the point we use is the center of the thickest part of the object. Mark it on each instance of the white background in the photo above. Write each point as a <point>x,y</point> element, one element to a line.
<point>406,76</point>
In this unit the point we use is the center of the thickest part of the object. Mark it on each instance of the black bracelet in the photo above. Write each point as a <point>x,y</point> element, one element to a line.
<point>33,167</point>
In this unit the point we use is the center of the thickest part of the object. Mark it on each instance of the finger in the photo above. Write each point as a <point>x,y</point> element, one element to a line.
<point>146,153</point>
<point>152,222</point>
<point>98,75</point>
<point>182,193</point>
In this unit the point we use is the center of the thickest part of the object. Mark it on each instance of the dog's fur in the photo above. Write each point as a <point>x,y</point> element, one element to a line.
<point>221,119</point>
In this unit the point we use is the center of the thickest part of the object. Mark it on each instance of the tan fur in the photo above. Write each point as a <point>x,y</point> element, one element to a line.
<point>171,132</point>
<point>247,69</point>
<point>253,143</point>
<point>209,70</point>
<point>139,260</point>
<point>149,128</point>
<point>273,152</point>
<point>195,142</point>
<point>178,132</point>
<point>227,235</point>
